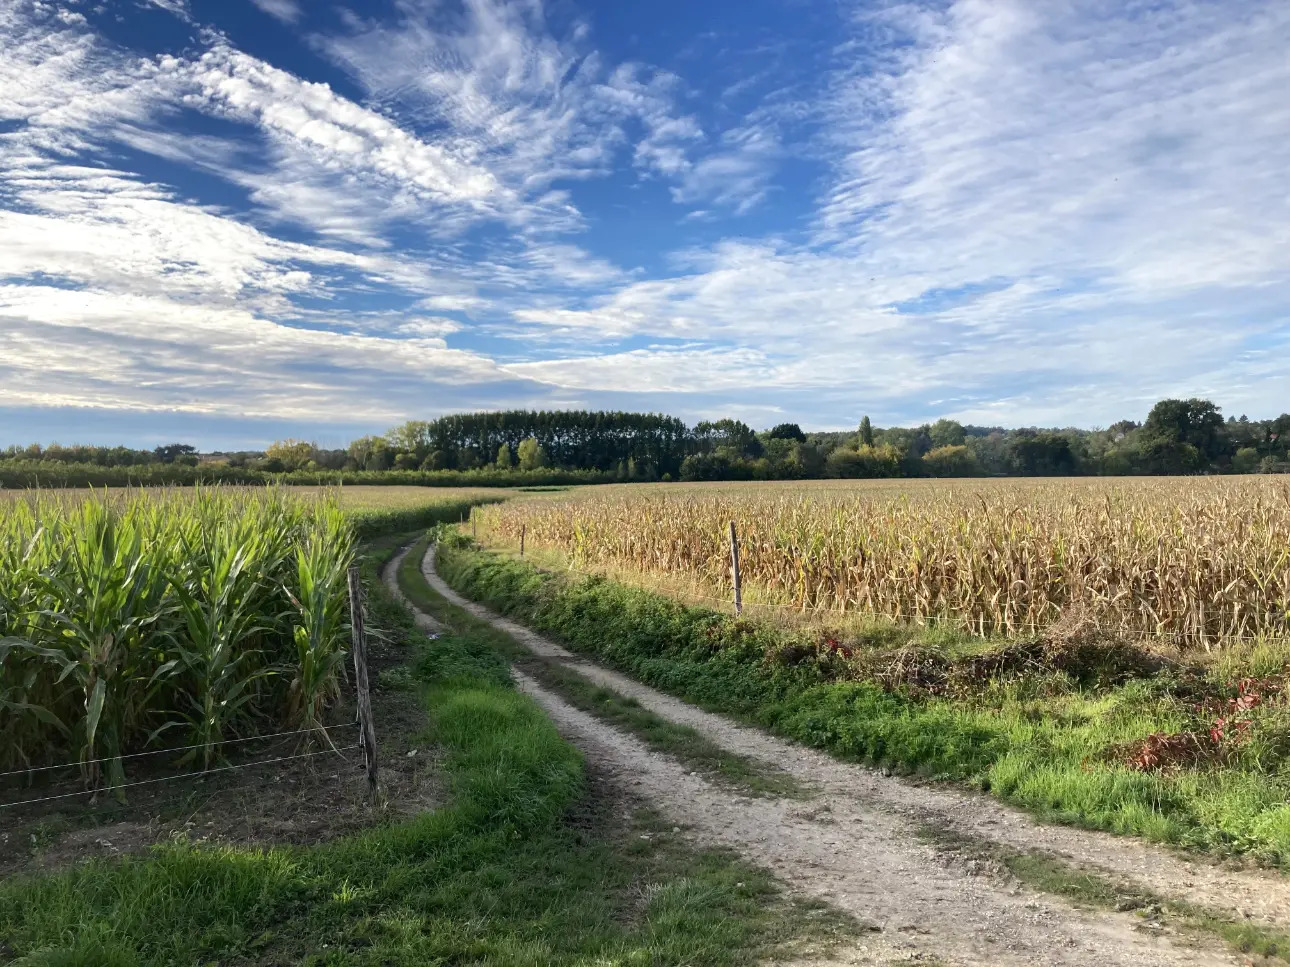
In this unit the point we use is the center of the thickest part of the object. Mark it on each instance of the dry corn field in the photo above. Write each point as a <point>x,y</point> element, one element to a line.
<point>1201,561</point>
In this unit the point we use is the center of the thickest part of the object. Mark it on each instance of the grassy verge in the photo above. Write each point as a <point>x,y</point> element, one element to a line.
<point>1044,738</point>
<point>681,742</point>
<point>523,867</point>
<point>1049,874</point>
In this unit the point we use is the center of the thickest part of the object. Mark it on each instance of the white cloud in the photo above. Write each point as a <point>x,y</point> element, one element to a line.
<point>288,11</point>
<point>84,348</point>
<point>1022,212</point>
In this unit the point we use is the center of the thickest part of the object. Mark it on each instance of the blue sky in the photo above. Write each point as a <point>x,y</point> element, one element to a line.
<point>228,221</point>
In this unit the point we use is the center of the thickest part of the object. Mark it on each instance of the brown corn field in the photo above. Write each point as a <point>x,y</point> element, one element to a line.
<point>1201,561</point>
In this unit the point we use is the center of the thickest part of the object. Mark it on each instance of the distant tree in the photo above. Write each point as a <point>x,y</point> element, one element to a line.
<point>370,452</point>
<point>411,437</point>
<point>733,435</point>
<point>1158,455</point>
<point>292,454</point>
<point>1246,460</point>
<point>883,460</point>
<point>504,461</point>
<point>1043,454</point>
<point>435,460</point>
<point>706,466</point>
<point>1174,424</point>
<point>950,461</point>
<point>787,431</point>
<point>531,454</point>
<point>171,451</point>
<point>947,433</point>
<point>866,432</point>
<point>406,461</point>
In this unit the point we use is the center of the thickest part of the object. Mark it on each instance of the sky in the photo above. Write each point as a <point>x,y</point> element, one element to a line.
<point>230,221</point>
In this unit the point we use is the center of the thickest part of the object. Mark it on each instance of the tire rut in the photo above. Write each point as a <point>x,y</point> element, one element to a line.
<point>855,845</point>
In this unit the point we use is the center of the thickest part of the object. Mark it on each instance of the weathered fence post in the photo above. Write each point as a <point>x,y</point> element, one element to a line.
<point>524,529</point>
<point>366,728</point>
<point>472,524</point>
<point>734,569</point>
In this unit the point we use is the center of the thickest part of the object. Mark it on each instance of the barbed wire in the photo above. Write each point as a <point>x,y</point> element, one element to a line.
<point>186,775</point>
<point>181,748</point>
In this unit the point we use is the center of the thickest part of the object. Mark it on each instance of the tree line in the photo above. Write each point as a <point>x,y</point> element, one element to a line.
<point>572,446</point>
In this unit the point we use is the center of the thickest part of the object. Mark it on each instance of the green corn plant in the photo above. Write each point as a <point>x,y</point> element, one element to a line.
<point>220,592</point>
<point>322,559</point>
<point>21,718</point>
<point>106,600</point>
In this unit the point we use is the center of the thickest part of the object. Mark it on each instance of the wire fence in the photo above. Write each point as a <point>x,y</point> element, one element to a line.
<point>202,773</point>
<point>1013,627</point>
<point>179,748</point>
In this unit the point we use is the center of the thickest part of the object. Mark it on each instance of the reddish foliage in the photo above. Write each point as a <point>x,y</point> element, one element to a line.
<point>1229,727</point>
<point>836,647</point>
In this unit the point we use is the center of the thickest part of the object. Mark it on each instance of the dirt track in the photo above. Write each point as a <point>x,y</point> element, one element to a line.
<point>855,844</point>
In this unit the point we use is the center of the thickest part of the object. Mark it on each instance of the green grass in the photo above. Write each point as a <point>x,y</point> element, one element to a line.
<point>681,742</point>
<point>525,866</point>
<point>1041,739</point>
<point>1049,874</point>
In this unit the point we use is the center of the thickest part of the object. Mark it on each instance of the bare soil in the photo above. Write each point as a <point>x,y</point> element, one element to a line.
<point>303,801</point>
<point>857,844</point>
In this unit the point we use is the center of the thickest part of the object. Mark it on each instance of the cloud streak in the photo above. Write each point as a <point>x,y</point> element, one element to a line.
<point>992,209</point>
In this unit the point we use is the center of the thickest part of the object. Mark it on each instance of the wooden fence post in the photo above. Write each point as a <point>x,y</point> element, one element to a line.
<point>472,524</point>
<point>366,728</point>
<point>734,569</point>
<point>524,529</point>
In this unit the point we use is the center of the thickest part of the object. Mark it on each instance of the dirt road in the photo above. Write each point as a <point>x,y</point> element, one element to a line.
<point>856,844</point>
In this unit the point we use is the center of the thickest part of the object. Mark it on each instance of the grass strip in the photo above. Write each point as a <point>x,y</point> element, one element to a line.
<point>682,742</point>
<point>1050,874</point>
<point>524,867</point>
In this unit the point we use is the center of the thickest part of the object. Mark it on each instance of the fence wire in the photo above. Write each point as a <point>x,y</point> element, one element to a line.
<point>181,748</point>
<point>1014,628</point>
<point>187,775</point>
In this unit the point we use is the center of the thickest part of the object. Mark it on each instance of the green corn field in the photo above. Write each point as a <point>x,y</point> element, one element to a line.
<point>149,620</point>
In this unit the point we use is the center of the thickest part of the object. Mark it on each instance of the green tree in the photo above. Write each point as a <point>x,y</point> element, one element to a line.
<point>1043,454</point>
<point>435,460</point>
<point>370,453</point>
<point>950,461</point>
<point>866,431</point>
<point>947,433</point>
<point>532,456</point>
<point>504,461</point>
<point>172,451</point>
<point>786,431</point>
<point>291,454</point>
<point>1173,425</point>
<point>1246,460</point>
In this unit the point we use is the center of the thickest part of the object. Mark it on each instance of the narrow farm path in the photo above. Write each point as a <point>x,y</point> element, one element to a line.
<point>1260,895</point>
<point>856,844</point>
